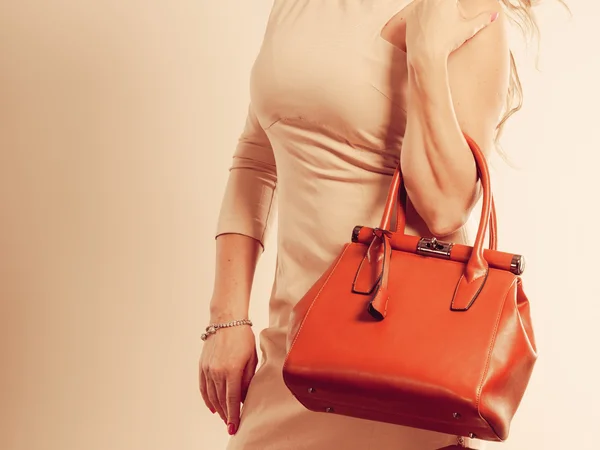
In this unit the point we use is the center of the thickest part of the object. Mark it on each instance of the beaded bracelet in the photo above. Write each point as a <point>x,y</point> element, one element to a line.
<point>212,329</point>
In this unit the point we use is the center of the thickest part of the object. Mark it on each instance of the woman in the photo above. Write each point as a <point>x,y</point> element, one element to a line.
<point>341,93</point>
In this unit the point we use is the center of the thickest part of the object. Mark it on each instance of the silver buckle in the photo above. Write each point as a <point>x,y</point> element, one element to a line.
<point>433,247</point>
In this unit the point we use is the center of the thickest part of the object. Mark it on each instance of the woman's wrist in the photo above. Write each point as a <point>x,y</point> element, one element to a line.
<point>222,312</point>
<point>230,299</point>
<point>215,326</point>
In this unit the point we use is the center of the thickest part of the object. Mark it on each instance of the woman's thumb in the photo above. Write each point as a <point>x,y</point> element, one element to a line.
<point>479,22</point>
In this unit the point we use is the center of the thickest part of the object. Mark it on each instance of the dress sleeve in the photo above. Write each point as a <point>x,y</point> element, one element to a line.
<point>248,205</point>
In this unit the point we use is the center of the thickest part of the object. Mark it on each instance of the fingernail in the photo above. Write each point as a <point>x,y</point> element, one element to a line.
<point>212,410</point>
<point>231,429</point>
<point>494,16</point>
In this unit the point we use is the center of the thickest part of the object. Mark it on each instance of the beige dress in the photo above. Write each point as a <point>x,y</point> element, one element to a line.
<point>322,139</point>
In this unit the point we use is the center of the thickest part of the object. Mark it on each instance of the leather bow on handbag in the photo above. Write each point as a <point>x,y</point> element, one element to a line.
<point>415,331</point>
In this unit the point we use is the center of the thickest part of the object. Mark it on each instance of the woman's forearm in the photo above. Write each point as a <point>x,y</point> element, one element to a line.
<point>236,260</point>
<point>438,168</point>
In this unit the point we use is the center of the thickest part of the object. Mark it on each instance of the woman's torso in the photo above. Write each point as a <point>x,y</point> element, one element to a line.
<point>330,93</point>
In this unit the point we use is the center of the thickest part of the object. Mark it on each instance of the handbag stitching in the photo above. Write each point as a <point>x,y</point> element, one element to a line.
<point>387,300</point>
<point>485,277</point>
<point>360,266</point>
<point>313,303</point>
<point>380,281</point>
<point>489,358</point>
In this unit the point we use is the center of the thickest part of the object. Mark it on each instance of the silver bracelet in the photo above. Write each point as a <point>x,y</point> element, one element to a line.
<point>212,329</point>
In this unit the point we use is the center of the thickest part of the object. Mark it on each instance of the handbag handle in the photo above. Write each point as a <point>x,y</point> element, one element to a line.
<point>476,269</point>
<point>400,224</point>
<point>397,186</point>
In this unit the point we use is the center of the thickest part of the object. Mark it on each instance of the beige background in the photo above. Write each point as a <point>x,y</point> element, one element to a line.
<point>117,124</point>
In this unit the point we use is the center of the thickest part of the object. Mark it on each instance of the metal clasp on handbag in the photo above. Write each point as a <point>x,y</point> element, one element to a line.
<point>433,247</point>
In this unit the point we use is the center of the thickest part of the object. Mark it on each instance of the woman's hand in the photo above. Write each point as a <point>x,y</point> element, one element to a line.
<point>436,28</point>
<point>227,365</point>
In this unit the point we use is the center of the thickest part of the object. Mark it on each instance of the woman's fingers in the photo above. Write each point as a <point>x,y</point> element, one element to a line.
<point>226,367</point>
<point>227,394</point>
<point>248,374</point>
<point>233,399</point>
<point>204,392</point>
<point>477,23</point>
<point>222,393</point>
<point>213,386</point>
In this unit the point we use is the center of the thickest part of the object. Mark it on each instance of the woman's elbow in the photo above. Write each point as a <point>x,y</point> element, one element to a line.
<point>446,222</point>
<point>443,213</point>
<point>445,229</point>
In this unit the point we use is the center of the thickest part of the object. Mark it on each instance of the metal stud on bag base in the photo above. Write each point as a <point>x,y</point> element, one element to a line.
<point>459,445</point>
<point>456,447</point>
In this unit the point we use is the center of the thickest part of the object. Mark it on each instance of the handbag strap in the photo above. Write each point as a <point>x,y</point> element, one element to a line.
<point>475,270</point>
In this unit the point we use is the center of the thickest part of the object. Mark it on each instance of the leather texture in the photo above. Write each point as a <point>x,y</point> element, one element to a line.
<point>388,333</point>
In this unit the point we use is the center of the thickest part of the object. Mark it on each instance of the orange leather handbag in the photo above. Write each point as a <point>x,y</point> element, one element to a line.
<point>415,331</point>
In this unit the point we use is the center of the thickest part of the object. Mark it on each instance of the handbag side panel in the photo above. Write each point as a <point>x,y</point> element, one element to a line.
<point>511,364</point>
<point>301,308</point>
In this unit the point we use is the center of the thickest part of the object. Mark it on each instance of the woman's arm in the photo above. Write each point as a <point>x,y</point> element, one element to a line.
<point>236,259</point>
<point>229,358</point>
<point>245,219</point>
<point>447,96</point>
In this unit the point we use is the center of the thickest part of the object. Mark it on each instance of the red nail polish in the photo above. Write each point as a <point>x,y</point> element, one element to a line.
<point>231,429</point>
<point>494,16</point>
<point>212,410</point>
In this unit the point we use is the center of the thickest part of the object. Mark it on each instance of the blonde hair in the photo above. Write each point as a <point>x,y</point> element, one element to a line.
<point>521,14</point>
